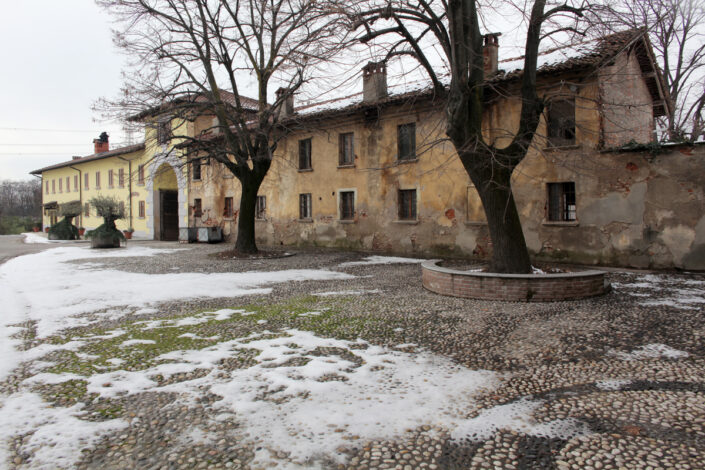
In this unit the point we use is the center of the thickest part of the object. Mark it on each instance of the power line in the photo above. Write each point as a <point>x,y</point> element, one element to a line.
<point>33,129</point>
<point>2,144</point>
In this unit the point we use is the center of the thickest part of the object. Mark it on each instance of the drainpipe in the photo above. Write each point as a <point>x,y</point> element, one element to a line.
<point>80,192</point>
<point>129,186</point>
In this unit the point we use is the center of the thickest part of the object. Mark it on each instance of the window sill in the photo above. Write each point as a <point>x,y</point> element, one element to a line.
<point>138,184</point>
<point>557,223</point>
<point>305,170</point>
<point>305,221</point>
<point>352,165</point>
<point>406,222</point>
<point>347,221</point>
<point>472,223</point>
<point>230,218</point>
<point>196,180</point>
<point>407,160</point>
<point>561,147</point>
<point>260,220</point>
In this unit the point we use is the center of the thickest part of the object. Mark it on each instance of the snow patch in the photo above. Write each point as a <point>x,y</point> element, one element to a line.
<point>649,351</point>
<point>298,400</point>
<point>132,342</point>
<point>370,260</point>
<point>348,292</point>
<point>31,237</point>
<point>56,435</point>
<point>612,384</point>
<point>516,417</point>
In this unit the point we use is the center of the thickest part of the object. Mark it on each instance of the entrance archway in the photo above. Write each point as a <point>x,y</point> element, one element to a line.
<point>166,203</point>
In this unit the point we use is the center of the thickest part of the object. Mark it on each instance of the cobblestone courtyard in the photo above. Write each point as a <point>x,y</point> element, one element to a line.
<point>365,370</point>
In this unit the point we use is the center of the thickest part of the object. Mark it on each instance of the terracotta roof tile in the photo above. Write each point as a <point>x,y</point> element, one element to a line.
<point>91,158</point>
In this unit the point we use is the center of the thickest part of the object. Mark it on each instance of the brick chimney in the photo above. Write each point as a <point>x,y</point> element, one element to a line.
<point>490,53</point>
<point>286,108</point>
<point>101,144</point>
<point>374,82</point>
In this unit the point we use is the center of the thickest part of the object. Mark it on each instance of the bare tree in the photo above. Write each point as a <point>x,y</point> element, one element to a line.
<point>20,198</point>
<point>195,57</point>
<point>677,32</point>
<point>452,27</point>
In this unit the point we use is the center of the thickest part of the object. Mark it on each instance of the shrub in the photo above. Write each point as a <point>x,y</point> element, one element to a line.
<point>110,210</point>
<point>65,230</point>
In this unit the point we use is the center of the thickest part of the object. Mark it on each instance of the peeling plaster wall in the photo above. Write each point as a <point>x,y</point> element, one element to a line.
<point>633,208</point>
<point>627,112</point>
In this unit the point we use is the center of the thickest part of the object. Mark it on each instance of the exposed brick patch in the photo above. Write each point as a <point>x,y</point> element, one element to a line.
<point>512,287</point>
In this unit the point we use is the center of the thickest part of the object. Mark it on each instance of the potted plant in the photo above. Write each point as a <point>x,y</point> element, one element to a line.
<point>81,231</point>
<point>64,229</point>
<point>106,235</point>
<point>46,229</point>
<point>36,228</point>
<point>128,233</point>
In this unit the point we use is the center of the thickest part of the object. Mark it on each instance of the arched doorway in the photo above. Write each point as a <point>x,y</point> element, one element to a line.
<point>166,203</point>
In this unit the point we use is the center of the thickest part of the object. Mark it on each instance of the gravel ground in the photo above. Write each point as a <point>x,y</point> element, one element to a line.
<point>581,360</point>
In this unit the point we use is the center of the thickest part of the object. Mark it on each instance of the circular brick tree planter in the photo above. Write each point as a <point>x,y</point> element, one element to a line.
<point>513,287</point>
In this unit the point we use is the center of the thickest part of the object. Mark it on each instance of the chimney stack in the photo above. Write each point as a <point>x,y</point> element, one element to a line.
<point>286,107</point>
<point>76,157</point>
<point>101,144</point>
<point>490,53</point>
<point>374,82</point>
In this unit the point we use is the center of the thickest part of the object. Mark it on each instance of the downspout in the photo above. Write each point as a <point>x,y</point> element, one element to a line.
<point>129,185</point>
<point>80,192</point>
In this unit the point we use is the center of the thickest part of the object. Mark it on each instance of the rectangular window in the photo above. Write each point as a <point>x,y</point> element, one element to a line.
<point>407,204</point>
<point>196,166</point>
<point>121,207</point>
<point>60,185</point>
<point>110,179</point>
<point>347,205</point>
<point>121,177</point>
<point>87,210</point>
<point>97,180</point>
<point>197,209</point>
<point>47,187</point>
<point>164,132</point>
<point>305,206</point>
<point>305,154</point>
<point>68,184</point>
<point>85,181</point>
<point>140,175</point>
<point>346,149</point>
<point>260,207</point>
<point>75,183</point>
<point>561,122</point>
<point>228,207</point>
<point>53,186</point>
<point>561,202</point>
<point>406,141</point>
<point>141,210</point>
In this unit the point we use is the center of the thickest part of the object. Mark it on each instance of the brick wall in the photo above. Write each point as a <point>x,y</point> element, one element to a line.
<point>512,287</point>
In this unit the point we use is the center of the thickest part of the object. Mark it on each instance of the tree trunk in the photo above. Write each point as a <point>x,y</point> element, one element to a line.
<point>246,219</point>
<point>250,183</point>
<point>509,251</point>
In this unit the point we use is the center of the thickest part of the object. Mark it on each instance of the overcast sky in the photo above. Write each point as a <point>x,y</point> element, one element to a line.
<point>57,58</point>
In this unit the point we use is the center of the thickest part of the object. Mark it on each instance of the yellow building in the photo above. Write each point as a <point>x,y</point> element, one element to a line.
<point>148,179</point>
